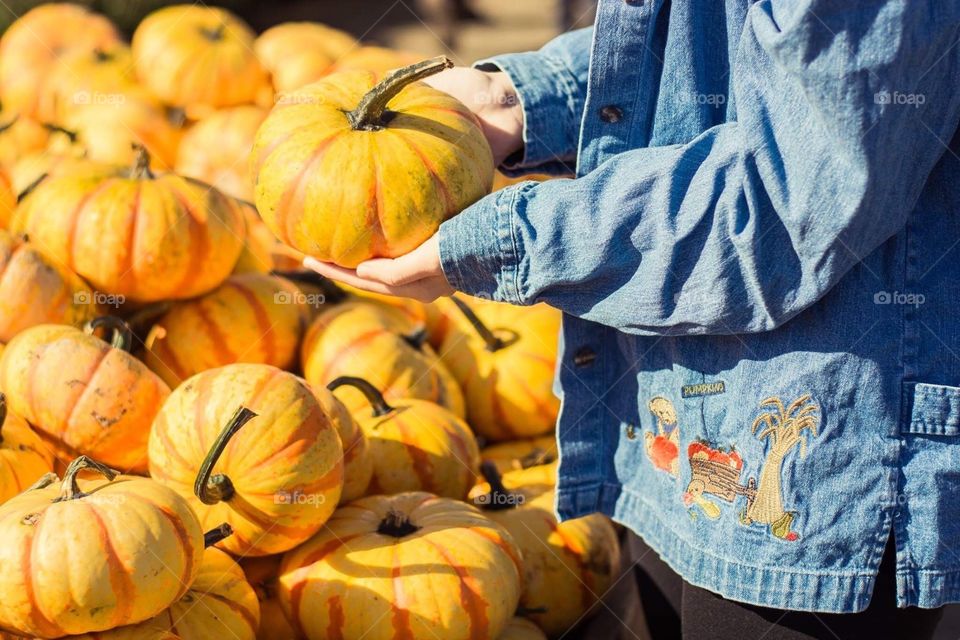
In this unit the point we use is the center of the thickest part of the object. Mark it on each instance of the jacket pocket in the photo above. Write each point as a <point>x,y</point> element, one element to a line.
<point>931,409</point>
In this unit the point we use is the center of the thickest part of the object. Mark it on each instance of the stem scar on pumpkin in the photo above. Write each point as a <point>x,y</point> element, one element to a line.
<point>218,487</point>
<point>396,525</point>
<point>370,392</point>
<point>372,114</point>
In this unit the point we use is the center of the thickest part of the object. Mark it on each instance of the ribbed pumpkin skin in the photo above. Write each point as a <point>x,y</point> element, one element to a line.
<point>521,454</point>
<point>357,338</point>
<point>262,573</point>
<point>427,164</point>
<point>85,77</point>
<point>117,556</point>
<point>420,446</point>
<point>36,290</point>
<point>145,238</point>
<point>290,449</point>
<point>457,577</point>
<point>508,392</point>
<point>297,53</point>
<point>215,149</point>
<point>522,629</point>
<point>96,399</point>
<point>251,317</point>
<point>259,245</point>
<point>198,57</point>
<point>23,456</point>
<point>34,43</point>
<point>357,456</point>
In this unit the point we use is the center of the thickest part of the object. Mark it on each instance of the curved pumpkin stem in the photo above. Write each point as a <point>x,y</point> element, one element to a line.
<point>369,114</point>
<point>141,163</point>
<point>499,498</point>
<point>416,339</point>
<point>72,136</point>
<point>44,481</point>
<point>3,414</point>
<point>219,534</point>
<point>370,392</point>
<point>30,188</point>
<point>396,525</point>
<point>332,292</point>
<point>219,488</point>
<point>493,342</point>
<point>70,488</point>
<point>122,337</point>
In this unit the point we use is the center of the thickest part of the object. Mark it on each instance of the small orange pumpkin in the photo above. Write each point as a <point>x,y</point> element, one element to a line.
<point>215,149</point>
<point>23,456</point>
<point>199,58</point>
<point>61,155</point>
<point>410,565</point>
<point>85,77</point>
<point>134,547</point>
<point>521,454</point>
<point>297,53</point>
<point>132,233</point>
<point>36,290</point>
<point>277,479</point>
<point>411,166</point>
<point>567,565</point>
<point>19,135</point>
<point>91,395</point>
<point>505,362</point>
<point>37,40</point>
<point>373,341</point>
<point>251,317</point>
<point>415,445</point>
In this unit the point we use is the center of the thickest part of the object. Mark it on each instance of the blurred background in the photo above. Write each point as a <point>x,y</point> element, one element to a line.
<point>465,30</point>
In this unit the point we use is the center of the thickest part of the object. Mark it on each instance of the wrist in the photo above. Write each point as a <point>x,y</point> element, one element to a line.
<point>504,116</point>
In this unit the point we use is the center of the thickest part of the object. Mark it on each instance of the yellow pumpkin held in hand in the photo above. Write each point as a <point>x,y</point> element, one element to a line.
<point>415,156</point>
<point>134,547</point>
<point>23,456</point>
<point>415,445</point>
<point>410,565</point>
<point>297,53</point>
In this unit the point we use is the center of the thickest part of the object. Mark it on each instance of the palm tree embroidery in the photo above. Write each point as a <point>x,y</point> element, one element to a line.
<point>784,428</point>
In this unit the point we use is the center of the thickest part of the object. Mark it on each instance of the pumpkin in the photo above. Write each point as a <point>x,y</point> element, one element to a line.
<point>415,445</point>
<point>297,53</point>
<point>36,41</point>
<point>36,290</point>
<point>134,547</point>
<point>215,149</point>
<point>199,58</point>
<point>375,342</point>
<point>411,166</point>
<point>412,565</point>
<point>277,479</point>
<point>259,244</point>
<point>8,198</point>
<point>85,77</point>
<point>62,154</point>
<point>357,457</point>
<point>19,135</point>
<point>521,454</point>
<point>505,364</point>
<point>23,457</point>
<point>414,310</point>
<point>132,233</point>
<point>567,566</point>
<point>379,60</point>
<point>522,629</point>
<point>251,317</point>
<point>91,395</point>
<point>262,573</point>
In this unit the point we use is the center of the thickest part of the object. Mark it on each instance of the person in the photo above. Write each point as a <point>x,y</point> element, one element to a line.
<point>757,261</point>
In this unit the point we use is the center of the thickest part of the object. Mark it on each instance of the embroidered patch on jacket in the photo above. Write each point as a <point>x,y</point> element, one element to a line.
<point>663,447</point>
<point>714,473</point>
<point>782,429</point>
<point>703,389</point>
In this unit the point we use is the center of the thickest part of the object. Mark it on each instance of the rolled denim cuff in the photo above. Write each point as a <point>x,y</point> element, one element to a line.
<point>547,90</point>
<point>478,248</point>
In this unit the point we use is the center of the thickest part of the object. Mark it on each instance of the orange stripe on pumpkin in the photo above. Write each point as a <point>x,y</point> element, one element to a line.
<point>39,621</point>
<point>121,585</point>
<point>471,597</point>
<point>335,618</point>
<point>267,335</point>
<point>296,184</point>
<point>419,459</point>
<point>186,578</point>
<point>449,202</point>
<point>296,591</point>
<point>399,613</point>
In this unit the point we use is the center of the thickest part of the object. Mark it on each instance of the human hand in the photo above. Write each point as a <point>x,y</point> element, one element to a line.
<point>415,275</point>
<point>492,97</point>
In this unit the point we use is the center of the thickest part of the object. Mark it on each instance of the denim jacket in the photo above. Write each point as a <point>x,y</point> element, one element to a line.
<point>758,261</point>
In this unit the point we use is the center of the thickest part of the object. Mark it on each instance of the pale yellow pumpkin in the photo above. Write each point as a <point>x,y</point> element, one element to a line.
<point>297,53</point>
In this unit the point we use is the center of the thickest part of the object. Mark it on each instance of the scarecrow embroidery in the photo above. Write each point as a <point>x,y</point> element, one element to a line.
<point>663,448</point>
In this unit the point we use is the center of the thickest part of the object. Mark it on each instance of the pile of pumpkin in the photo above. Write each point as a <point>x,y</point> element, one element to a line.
<point>198,439</point>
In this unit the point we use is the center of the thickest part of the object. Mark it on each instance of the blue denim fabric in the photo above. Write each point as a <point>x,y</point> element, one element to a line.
<point>760,245</point>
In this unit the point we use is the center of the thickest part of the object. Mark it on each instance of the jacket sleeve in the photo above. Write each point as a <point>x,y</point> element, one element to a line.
<point>842,114</point>
<point>552,86</point>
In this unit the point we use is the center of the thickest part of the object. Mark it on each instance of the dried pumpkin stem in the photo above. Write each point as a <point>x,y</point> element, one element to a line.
<point>70,488</point>
<point>219,534</point>
<point>44,481</point>
<point>122,337</point>
<point>369,114</point>
<point>370,392</point>
<point>396,525</point>
<point>493,342</point>
<point>417,338</point>
<point>499,498</point>
<point>211,489</point>
<point>3,414</point>
<point>141,163</point>
<point>72,136</point>
<point>331,292</point>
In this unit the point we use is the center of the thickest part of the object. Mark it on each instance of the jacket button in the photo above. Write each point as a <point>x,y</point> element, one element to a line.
<point>584,357</point>
<point>611,114</point>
